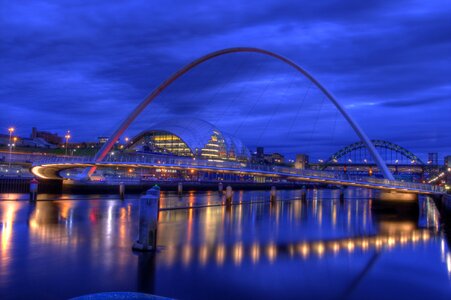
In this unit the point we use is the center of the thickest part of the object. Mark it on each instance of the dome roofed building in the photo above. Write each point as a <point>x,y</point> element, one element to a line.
<point>190,137</point>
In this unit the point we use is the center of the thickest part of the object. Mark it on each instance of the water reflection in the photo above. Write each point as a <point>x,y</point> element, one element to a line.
<point>92,238</point>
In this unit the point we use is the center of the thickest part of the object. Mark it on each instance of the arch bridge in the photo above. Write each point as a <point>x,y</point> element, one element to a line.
<point>356,153</point>
<point>50,169</point>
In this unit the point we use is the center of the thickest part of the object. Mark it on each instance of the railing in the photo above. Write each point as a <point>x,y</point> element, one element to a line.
<point>167,161</point>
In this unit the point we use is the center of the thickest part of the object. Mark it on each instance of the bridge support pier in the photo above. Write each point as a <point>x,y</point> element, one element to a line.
<point>342,195</point>
<point>33,190</point>
<point>122,190</point>
<point>303,194</point>
<point>180,188</point>
<point>273,194</point>
<point>148,221</point>
<point>229,195</point>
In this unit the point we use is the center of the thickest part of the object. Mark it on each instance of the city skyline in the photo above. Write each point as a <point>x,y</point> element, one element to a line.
<point>82,69</point>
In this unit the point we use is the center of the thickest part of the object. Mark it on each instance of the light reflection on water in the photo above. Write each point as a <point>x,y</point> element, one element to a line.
<point>290,249</point>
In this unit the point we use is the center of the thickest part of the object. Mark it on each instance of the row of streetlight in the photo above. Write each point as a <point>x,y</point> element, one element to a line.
<point>67,136</point>
<point>13,140</point>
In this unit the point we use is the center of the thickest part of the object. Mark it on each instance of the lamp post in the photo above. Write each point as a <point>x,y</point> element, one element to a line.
<point>67,136</point>
<point>11,130</point>
<point>125,144</point>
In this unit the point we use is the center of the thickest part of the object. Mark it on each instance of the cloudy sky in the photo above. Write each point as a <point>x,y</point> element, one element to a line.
<point>83,65</point>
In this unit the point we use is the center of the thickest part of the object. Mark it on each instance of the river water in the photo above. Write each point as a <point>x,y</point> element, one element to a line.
<point>321,248</point>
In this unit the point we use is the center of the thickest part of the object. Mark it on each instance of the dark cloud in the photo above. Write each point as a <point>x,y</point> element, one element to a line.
<point>85,65</point>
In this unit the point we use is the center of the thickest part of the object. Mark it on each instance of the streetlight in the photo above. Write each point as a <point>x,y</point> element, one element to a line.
<point>11,130</point>
<point>67,136</point>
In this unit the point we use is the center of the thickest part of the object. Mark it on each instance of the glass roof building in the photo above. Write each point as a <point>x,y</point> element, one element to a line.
<point>190,137</point>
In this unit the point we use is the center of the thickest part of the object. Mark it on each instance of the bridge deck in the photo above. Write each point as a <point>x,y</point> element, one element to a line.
<point>51,167</point>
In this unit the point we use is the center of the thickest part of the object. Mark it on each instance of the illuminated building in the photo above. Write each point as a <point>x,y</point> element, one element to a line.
<point>448,161</point>
<point>259,157</point>
<point>192,138</point>
<point>448,170</point>
<point>102,139</point>
<point>277,158</point>
<point>302,161</point>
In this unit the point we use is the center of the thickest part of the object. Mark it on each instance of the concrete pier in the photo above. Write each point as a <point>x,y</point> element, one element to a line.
<point>342,195</point>
<point>303,194</point>
<point>148,221</point>
<point>33,189</point>
<point>180,188</point>
<point>122,190</point>
<point>273,194</point>
<point>229,195</point>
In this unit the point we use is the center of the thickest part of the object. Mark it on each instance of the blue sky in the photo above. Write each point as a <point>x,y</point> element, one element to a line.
<point>83,65</point>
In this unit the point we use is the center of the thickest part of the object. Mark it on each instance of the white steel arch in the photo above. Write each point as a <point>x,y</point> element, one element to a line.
<point>132,116</point>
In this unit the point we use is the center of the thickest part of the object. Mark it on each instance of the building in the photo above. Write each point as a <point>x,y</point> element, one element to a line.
<point>276,158</point>
<point>190,137</point>
<point>433,158</point>
<point>301,162</point>
<point>51,138</point>
<point>448,170</point>
<point>4,139</point>
<point>261,158</point>
<point>102,139</point>
<point>25,142</point>
<point>260,154</point>
<point>447,161</point>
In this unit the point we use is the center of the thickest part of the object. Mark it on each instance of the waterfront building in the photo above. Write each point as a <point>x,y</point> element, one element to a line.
<point>448,161</point>
<point>26,142</point>
<point>261,158</point>
<point>52,138</point>
<point>277,158</point>
<point>190,138</point>
<point>302,161</point>
<point>448,170</point>
<point>433,158</point>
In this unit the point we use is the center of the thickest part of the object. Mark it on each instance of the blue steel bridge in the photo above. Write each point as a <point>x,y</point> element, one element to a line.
<point>54,167</point>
